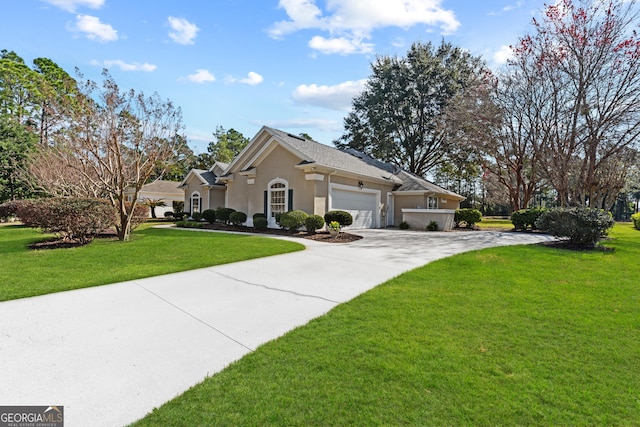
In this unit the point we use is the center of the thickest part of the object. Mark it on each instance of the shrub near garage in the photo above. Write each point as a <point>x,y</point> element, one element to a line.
<point>209,215</point>
<point>583,226</point>
<point>260,223</point>
<point>344,218</point>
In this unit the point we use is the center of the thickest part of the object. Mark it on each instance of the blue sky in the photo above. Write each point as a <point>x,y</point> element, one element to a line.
<point>242,64</point>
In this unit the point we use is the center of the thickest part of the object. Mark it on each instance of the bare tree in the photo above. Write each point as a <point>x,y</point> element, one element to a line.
<point>113,142</point>
<point>584,57</point>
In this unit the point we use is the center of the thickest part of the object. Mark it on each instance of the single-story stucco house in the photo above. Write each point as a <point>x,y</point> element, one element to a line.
<point>278,172</point>
<point>160,189</point>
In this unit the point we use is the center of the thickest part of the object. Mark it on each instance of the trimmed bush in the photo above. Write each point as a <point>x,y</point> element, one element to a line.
<point>344,218</point>
<point>209,215</point>
<point>526,218</point>
<point>260,223</point>
<point>258,215</point>
<point>313,223</point>
<point>583,226</point>
<point>468,216</point>
<point>404,225</point>
<point>222,214</point>
<point>168,215</point>
<point>71,218</point>
<point>293,220</point>
<point>197,216</point>
<point>635,218</point>
<point>432,226</point>
<point>237,218</point>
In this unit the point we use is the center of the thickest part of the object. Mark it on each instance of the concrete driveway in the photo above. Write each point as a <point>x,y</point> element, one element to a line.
<point>111,354</point>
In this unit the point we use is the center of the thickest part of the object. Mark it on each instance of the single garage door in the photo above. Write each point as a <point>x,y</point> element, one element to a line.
<point>361,205</point>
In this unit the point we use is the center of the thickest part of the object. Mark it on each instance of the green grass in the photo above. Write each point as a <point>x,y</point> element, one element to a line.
<point>495,223</point>
<point>151,251</point>
<point>525,335</point>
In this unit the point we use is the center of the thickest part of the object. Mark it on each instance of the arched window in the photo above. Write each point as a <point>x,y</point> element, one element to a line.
<point>277,199</point>
<point>195,202</point>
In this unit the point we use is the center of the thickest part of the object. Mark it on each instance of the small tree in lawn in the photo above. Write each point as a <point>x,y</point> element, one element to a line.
<point>112,143</point>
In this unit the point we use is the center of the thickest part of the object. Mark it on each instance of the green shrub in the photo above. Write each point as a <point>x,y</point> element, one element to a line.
<point>636,220</point>
<point>222,214</point>
<point>197,216</point>
<point>583,226</point>
<point>259,215</point>
<point>209,215</point>
<point>168,215</point>
<point>277,217</point>
<point>313,223</point>
<point>260,223</point>
<point>432,226</point>
<point>526,218</point>
<point>238,218</point>
<point>293,220</point>
<point>404,225</point>
<point>468,216</point>
<point>344,218</point>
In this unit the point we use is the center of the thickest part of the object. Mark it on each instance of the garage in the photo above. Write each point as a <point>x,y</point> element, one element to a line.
<point>361,204</point>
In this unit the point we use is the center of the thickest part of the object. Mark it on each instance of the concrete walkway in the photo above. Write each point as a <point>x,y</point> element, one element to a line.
<point>111,354</point>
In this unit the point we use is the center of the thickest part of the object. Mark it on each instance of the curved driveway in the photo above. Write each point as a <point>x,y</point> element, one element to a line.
<point>110,354</point>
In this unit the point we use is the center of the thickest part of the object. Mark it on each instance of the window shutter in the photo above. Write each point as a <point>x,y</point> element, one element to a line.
<point>266,201</point>
<point>290,207</point>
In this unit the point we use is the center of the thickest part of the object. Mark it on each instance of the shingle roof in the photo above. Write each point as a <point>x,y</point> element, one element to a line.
<point>162,186</point>
<point>325,155</point>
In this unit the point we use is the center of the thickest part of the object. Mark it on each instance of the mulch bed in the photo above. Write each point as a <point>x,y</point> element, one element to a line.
<point>319,236</point>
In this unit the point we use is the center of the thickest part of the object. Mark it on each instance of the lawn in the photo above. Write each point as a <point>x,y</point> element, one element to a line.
<point>151,251</point>
<point>495,223</point>
<point>525,335</point>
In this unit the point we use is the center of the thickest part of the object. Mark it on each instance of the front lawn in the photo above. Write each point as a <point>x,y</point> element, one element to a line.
<point>151,251</point>
<point>526,335</point>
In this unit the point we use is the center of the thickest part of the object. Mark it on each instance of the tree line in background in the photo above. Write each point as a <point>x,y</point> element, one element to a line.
<point>558,125</point>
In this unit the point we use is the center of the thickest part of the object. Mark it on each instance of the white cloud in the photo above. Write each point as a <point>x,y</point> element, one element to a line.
<point>94,29</point>
<point>183,31</point>
<point>126,66</point>
<point>504,54</point>
<point>72,5</point>
<point>337,97</point>
<point>252,79</point>
<point>341,45</point>
<point>201,76</point>
<point>355,20</point>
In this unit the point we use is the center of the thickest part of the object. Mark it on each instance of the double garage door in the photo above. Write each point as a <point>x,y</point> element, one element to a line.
<point>363,206</point>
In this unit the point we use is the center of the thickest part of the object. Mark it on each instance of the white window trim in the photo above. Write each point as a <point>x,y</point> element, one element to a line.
<point>271,220</point>
<point>195,194</point>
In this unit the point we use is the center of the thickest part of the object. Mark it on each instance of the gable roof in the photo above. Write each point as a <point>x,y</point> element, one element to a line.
<point>162,186</point>
<point>313,152</point>
<point>410,181</point>
<point>205,177</point>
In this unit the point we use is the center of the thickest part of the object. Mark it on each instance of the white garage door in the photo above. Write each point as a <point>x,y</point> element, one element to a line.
<point>361,205</point>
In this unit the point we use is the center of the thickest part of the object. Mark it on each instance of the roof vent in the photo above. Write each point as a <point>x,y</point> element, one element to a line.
<point>296,137</point>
